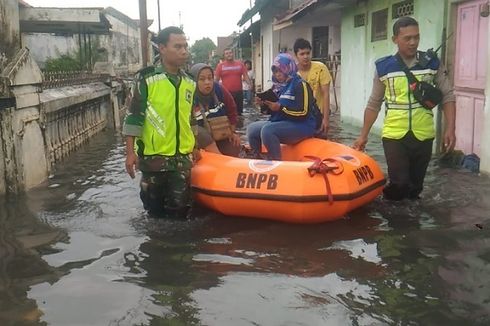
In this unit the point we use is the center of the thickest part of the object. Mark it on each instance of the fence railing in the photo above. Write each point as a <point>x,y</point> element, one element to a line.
<point>53,79</point>
<point>69,127</point>
<point>332,62</point>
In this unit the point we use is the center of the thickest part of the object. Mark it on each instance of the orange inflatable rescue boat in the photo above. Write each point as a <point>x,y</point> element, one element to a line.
<point>317,181</point>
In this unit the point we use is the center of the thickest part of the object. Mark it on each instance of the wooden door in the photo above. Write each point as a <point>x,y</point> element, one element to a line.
<point>470,75</point>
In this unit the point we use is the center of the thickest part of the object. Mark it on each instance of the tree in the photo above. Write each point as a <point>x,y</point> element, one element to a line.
<point>202,49</point>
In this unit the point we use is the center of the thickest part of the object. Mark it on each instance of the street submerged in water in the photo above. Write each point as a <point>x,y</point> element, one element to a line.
<point>80,250</point>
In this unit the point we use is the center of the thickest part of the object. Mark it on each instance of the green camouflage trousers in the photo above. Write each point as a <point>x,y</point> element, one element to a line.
<point>165,185</point>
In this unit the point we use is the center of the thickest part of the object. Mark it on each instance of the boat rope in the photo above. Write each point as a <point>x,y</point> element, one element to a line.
<point>324,167</point>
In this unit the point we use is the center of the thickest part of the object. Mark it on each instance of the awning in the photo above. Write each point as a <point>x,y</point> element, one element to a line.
<point>245,37</point>
<point>317,6</point>
<point>291,15</point>
<point>249,13</point>
<point>63,20</point>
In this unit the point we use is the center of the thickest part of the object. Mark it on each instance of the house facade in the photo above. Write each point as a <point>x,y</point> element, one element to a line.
<point>283,21</point>
<point>461,27</point>
<point>360,32</point>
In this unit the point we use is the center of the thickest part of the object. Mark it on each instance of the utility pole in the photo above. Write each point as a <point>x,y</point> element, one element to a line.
<point>159,26</point>
<point>143,33</point>
<point>251,40</point>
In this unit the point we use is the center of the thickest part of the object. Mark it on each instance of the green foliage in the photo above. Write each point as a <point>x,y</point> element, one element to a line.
<point>201,50</point>
<point>64,63</point>
<point>77,60</point>
<point>214,61</point>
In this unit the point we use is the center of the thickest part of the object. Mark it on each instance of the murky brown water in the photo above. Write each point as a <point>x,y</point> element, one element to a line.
<point>80,250</point>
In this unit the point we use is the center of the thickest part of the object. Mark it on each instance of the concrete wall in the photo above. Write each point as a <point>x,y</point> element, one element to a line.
<point>359,53</point>
<point>45,46</point>
<point>72,115</point>
<point>9,30</point>
<point>7,158</point>
<point>122,45</point>
<point>23,147</point>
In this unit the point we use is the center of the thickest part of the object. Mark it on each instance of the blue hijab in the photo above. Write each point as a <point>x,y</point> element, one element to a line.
<point>285,63</point>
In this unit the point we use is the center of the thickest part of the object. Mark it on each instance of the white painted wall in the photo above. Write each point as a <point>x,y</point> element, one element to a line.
<point>359,53</point>
<point>270,39</point>
<point>268,50</point>
<point>122,44</point>
<point>45,46</point>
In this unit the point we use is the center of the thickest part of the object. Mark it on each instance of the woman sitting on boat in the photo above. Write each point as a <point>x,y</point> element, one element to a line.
<point>215,113</point>
<point>294,116</point>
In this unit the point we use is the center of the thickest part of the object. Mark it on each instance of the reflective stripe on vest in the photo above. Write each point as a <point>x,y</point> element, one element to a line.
<point>167,130</point>
<point>404,113</point>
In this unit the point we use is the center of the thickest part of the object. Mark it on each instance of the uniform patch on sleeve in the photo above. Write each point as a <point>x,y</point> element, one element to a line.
<point>188,95</point>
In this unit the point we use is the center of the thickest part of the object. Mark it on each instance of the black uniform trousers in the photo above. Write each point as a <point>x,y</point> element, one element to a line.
<point>407,159</point>
<point>238,98</point>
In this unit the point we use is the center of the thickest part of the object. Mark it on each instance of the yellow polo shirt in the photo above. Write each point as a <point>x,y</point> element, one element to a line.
<point>317,76</point>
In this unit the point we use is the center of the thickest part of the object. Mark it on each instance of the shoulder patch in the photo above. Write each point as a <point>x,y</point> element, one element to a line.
<point>145,71</point>
<point>383,59</point>
<point>187,77</point>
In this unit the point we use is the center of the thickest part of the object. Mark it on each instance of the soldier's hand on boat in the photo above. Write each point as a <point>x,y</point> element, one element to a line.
<point>131,164</point>
<point>449,140</point>
<point>324,127</point>
<point>196,155</point>
<point>360,143</point>
<point>235,139</point>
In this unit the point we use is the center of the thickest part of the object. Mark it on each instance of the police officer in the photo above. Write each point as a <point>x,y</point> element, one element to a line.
<point>159,136</point>
<point>408,129</point>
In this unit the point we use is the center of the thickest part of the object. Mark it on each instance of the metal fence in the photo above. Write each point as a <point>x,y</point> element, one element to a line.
<point>333,64</point>
<point>53,79</point>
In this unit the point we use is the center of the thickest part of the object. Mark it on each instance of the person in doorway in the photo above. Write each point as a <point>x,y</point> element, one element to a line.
<point>212,100</point>
<point>294,116</point>
<point>248,89</point>
<point>231,72</point>
<point>159,137</point>
<point>408,129</point>
<point>317,75</point>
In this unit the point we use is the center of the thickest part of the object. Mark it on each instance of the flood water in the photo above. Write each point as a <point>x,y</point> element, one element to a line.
<point>80,250</point>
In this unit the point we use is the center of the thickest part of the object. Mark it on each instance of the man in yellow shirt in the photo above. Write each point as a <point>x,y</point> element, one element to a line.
<point>317,75</point>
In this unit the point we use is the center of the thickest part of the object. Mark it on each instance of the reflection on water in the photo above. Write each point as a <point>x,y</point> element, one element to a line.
<point>80,250</point>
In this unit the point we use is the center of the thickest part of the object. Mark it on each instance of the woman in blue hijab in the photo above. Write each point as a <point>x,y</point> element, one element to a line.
<point>294,116</point>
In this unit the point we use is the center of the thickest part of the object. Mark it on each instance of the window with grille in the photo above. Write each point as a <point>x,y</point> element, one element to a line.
<point>379,26</point>
<point>360,20</point>
<point>404,8</point>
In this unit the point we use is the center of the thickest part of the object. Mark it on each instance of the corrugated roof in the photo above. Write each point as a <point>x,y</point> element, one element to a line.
<point>287,18</point>
<point>249,13</point>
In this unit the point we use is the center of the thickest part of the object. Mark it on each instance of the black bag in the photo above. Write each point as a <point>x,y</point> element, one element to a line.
<point>426,94</point>
<point>317,114</point>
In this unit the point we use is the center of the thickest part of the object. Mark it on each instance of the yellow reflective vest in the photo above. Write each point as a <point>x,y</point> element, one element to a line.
<point>403,112</point>
<point>167,111</point>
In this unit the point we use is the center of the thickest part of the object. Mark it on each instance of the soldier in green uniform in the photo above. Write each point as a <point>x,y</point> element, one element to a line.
<point>159,137</point>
